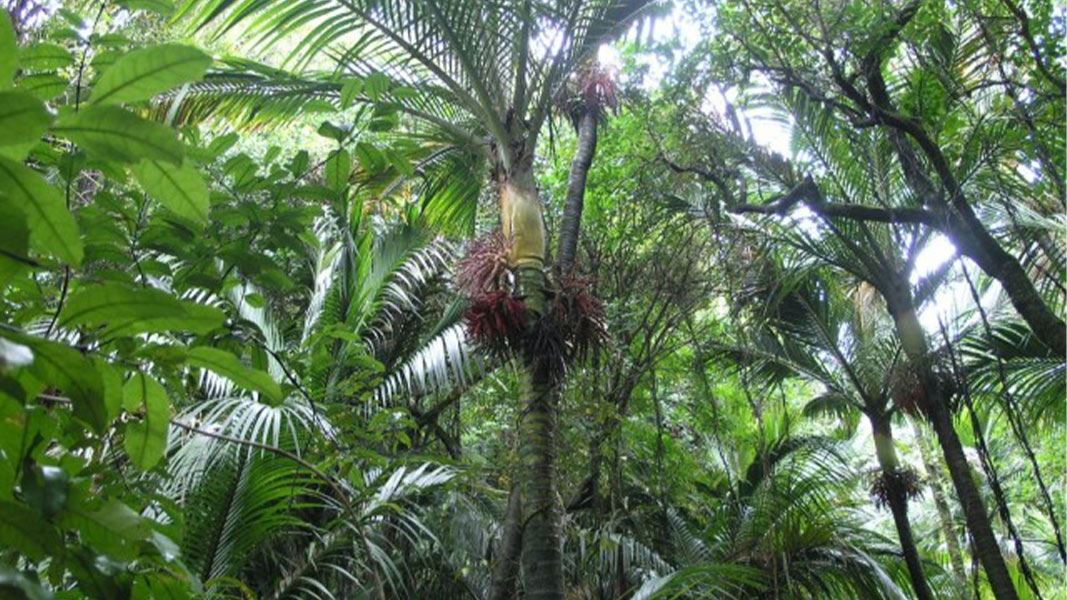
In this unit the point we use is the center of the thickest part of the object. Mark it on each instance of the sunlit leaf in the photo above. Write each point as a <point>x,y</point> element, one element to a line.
<point>110,132</point>
<point>45,56</point>
<point>180,188</point>
<point>143,73</point>
<point>122,310</point>
<point>23,118</point>
<point>8,50</point>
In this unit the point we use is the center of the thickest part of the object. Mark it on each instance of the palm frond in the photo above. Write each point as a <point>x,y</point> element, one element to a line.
<point>446,360</point>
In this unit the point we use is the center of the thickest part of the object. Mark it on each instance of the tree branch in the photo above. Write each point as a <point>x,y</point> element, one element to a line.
<point>809,193</point>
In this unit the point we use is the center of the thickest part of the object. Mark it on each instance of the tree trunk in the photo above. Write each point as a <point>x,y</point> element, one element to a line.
<point>897,499</point>
<point>506,559</point>
<point>975,242</point>
<point>572,209</point>
<point>913,341</point>
<point>936,479</point>
<point>959,221</point>
<point>522,221</point>
<point>542,552</point>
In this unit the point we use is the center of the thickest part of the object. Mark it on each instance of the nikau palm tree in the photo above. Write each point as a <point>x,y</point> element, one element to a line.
<point>777,535</point>
<point>291,377</point>
<point>841,342</point>
<point>486,76</point>
<point>871,251</point>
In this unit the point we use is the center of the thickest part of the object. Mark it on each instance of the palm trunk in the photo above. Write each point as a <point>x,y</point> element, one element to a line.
<point>506,559</point>
<point>959,221</point>
<point>898,503</point>
<point>974,241</point>
<point>542,552</point>
<point>522,222</point>
<point>913,341</point>
<point>936,479</point>
<point>572,209</point>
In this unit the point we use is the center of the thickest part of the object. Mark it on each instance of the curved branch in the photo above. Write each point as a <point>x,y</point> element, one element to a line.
<point>808,192</point>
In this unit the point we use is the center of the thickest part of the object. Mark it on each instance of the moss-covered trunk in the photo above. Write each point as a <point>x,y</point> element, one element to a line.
<point>522,222</point>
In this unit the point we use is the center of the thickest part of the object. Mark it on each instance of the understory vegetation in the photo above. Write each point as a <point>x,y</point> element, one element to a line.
<point>584,299</point>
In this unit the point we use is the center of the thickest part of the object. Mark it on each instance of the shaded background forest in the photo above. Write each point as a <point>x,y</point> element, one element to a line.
<point>808,289</point>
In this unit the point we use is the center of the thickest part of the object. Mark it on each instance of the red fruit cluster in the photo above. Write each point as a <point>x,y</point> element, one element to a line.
<point>485,266</point>
<point>597,87</point>
<point>579,316</point>
<point>496,320</point>
<point>574,326</point>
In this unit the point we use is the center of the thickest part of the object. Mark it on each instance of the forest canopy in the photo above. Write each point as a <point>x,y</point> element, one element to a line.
<point>583,299</point>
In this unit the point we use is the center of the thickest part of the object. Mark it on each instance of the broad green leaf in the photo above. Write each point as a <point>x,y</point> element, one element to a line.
<point>385,118</point>
<point>180,188</point>
<point>113,529</point>
<point>162,7</point>
<point>349,91</point>
<point>111,40</point>
<point>63,367</point>
<point>52,227</point>
<point>399,162</point>
<point>19,426</point>
<point>230,367</point>
<point>112,382</point>
<point>242,169</point>
<point>370,158</point>
<point>143,73</point>
<point>147,439</point>
<point>338,168</point>
<point>25,531</point>
<point>110,132</point>
<point>45,57</point>
<point>221,144</point>
<point>94,574</point>
<point>334,132</point>
<point>375,85</point>
<point>161,585</point>
<point>123,311</point>
<point>43,86</point>
<point>299,163</point>
<point>14,245</point>
<point>18,152</point>
<point>23,118</point>
<point>7,479</point>
<point>45,488</point>
<point>8,51</point>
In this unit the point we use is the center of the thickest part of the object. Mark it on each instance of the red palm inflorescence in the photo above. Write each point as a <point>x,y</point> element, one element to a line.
<point>573,327</point>
<point>496,320</point>
<point>485,266</point>
<point>580,316</point>
<point>591,88</point>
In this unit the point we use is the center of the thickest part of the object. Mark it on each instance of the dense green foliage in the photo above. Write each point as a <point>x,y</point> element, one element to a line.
<point>799,332</point>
